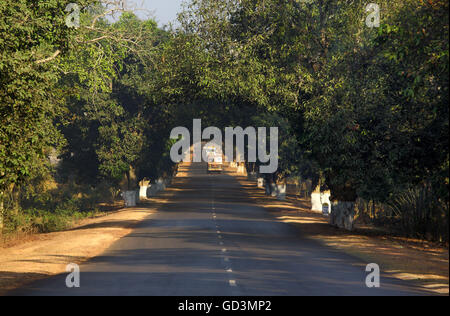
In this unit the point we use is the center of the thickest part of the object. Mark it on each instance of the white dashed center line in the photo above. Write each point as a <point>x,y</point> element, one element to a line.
<point>228,268</point>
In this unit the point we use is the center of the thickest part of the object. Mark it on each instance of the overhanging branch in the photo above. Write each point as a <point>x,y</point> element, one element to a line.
<point>42,61</point>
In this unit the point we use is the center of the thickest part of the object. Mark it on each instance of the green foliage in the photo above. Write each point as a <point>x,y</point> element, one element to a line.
<point>49,212</point>
<point>68,89</point>
<point>108,126</point>
<point>369,105</point>
<point>26,100</point>
<point>365,109</point>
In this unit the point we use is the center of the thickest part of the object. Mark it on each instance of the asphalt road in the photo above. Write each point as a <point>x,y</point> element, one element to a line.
<point>211,239</point>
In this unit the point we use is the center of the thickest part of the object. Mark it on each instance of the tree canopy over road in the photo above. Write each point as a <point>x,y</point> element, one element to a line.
<point>364,109</point>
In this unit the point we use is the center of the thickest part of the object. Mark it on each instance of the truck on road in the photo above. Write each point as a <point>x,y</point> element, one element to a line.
<point>215,160</point>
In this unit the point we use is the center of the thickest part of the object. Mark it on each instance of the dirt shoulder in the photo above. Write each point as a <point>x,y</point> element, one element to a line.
<point>44,255</point>
<point>424,263</point>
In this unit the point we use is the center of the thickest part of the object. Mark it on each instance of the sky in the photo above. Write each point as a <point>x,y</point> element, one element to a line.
<point>164,11</point>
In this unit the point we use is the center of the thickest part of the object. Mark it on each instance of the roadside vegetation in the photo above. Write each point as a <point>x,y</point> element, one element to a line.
<point>362,111</point>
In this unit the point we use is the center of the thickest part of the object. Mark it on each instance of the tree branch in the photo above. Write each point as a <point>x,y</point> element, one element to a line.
<point>55,54</point>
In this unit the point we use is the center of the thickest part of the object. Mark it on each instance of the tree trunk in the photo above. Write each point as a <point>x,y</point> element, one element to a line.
<point>343,214</point>
<point>127,174</point>
<point>270,182</point>
<point>373,210</point>
<point>132,178</point>
<point>14,192</point>
<point>316,182</point>
<point>1,213</point>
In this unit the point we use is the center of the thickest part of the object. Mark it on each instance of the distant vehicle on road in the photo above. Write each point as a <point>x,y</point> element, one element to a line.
<point>215,160</point>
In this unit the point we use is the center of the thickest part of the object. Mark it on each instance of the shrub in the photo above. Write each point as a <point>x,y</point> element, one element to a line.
<point>421,213</point>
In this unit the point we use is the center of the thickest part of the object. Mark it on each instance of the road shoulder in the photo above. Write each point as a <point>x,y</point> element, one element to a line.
<point>45,255</point>
<point>400,257</point>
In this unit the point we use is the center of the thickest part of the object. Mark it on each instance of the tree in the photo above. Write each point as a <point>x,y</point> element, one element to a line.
<point>29,32</point>
<point>39,52</point>
<point>369,112</point>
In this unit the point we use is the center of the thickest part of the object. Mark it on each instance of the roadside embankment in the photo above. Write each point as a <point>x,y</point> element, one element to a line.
<point>43,255</point>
